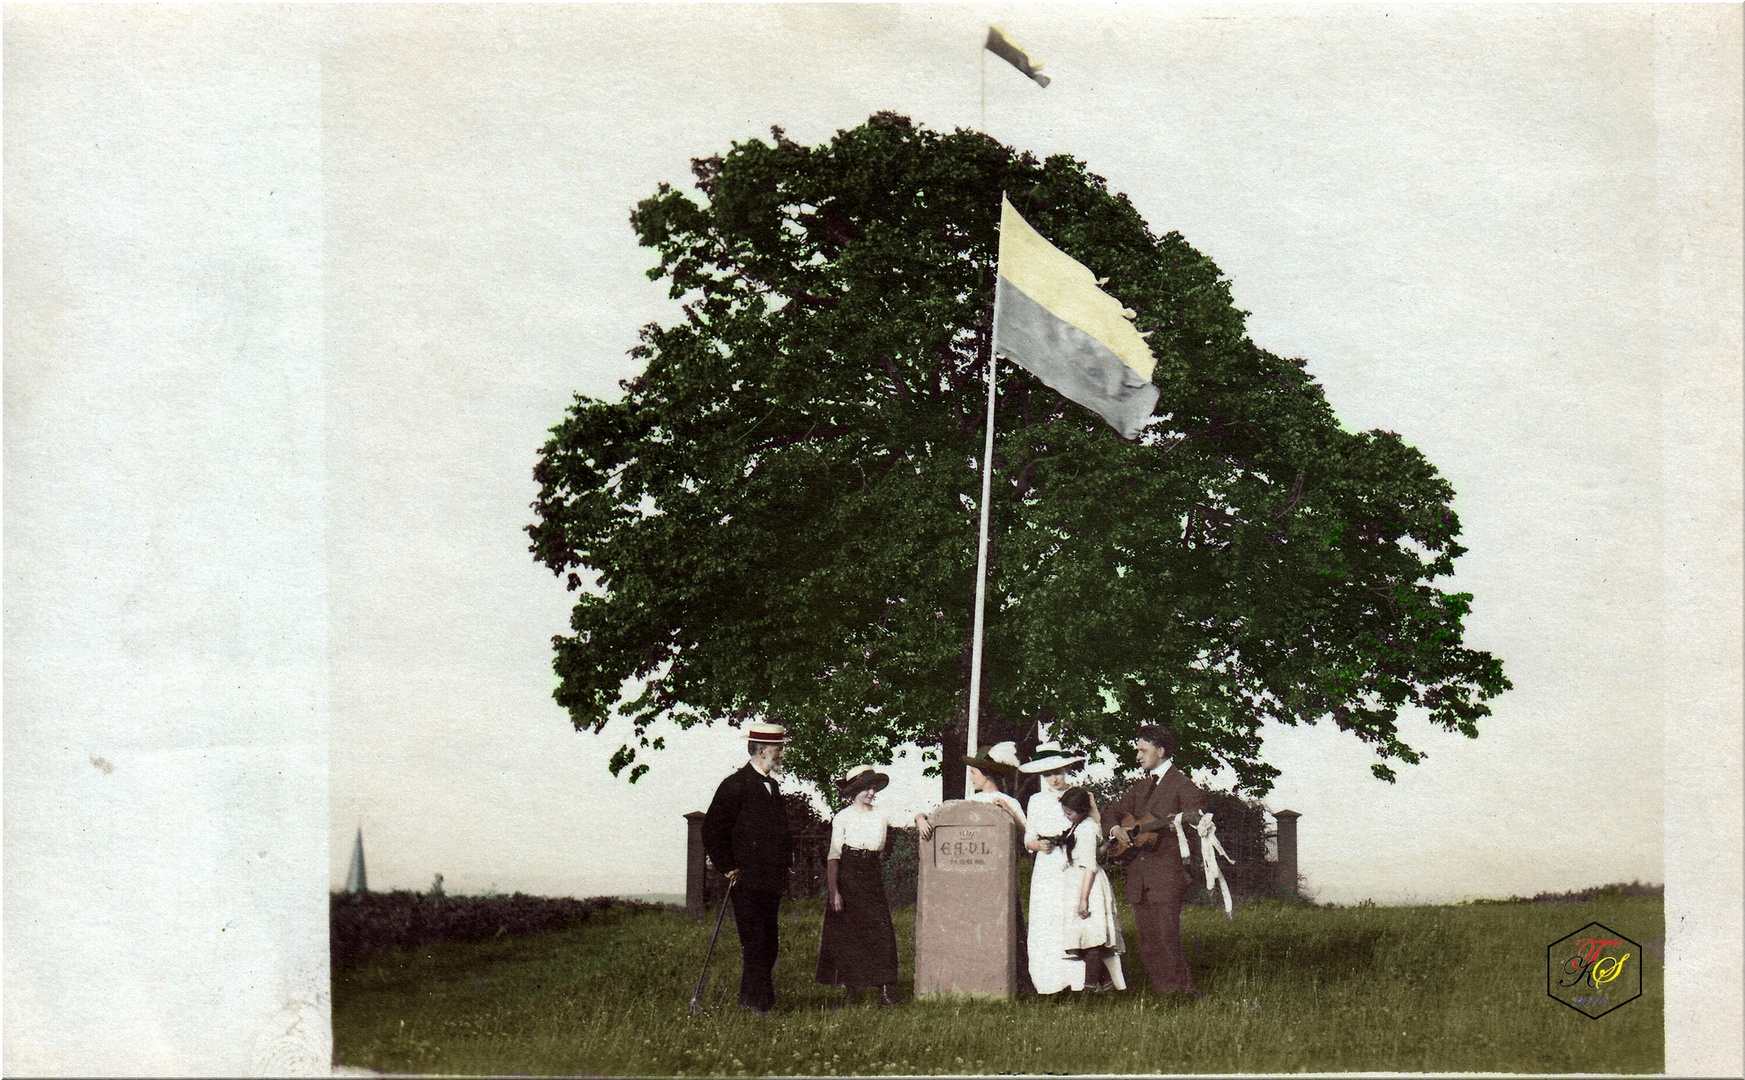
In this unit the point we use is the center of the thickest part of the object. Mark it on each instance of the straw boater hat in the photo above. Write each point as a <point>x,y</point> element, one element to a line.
<point>1049,757</point>
<point>1000,759</point>
<point>860,778</point>
<point>769,734</point>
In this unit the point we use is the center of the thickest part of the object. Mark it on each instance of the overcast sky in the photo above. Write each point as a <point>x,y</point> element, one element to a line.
<point>1449,215</point>
<point>293,294</point>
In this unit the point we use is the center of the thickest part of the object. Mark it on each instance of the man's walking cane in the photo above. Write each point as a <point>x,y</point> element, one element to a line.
<point>703,977</point>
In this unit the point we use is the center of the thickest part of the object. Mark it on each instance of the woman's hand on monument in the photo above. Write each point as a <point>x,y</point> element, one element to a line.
<point>922,826</point>
<point>835,900</point>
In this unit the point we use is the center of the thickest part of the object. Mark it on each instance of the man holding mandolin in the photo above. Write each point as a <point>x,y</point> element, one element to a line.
<point>1147,825</point>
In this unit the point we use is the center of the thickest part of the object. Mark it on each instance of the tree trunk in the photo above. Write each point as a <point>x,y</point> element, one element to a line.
<point>951,744</point>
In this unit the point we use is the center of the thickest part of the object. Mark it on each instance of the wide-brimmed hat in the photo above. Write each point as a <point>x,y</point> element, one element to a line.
<point>859,779</point>
<point>1000,759</point>
<point>770,734</point>
<point>1049,757</point>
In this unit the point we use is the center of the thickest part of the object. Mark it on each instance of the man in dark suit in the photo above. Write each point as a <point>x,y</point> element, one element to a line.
<point>745,834</point>
<point>1158,877</point>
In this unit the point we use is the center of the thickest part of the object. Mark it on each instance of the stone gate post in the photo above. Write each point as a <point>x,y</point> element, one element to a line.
<point>1287,850</point>
<point>696,884</point>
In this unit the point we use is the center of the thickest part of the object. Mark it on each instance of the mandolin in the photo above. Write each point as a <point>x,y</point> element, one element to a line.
<point>1144,831</point>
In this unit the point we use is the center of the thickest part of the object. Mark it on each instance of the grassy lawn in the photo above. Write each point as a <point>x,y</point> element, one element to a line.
<point>1288,988</point>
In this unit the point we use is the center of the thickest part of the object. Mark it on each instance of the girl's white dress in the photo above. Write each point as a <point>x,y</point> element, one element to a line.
<point>1050,968</point>
<point>1103,928</point>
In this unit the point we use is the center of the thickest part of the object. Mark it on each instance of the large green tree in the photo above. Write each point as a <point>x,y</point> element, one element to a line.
<point>778,517</point>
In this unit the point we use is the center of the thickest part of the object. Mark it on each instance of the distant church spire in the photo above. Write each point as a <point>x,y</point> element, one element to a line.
<point>355,881</point>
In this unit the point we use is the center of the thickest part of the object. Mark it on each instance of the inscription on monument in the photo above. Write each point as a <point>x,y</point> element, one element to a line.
<point>964,848</point>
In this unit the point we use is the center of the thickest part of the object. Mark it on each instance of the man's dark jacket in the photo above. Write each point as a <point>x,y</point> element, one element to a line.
<point>746,829</point>
<point>1158,870</point>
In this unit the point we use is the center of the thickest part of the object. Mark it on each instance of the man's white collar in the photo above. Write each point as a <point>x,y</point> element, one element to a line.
<point>1160,770</point>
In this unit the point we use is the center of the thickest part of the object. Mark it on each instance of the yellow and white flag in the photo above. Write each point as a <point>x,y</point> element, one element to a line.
<point>1006,49</point>
<point>1060,326</point>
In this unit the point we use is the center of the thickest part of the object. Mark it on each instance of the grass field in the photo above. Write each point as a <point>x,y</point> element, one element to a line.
<point>1288,988</point>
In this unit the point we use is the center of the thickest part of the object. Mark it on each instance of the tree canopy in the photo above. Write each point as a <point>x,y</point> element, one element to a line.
<point>779,516</point>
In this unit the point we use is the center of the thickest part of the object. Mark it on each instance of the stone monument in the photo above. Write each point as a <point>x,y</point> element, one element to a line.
<point>966,907</point>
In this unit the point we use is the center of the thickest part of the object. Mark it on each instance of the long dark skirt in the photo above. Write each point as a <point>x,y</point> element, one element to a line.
<point>859,945</point>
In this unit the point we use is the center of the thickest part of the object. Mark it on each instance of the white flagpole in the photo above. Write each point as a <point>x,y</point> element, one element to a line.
<point>975,656</point>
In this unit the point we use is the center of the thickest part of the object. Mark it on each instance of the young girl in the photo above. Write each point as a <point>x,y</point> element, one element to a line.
<point>1092,927</point>
<point>859,946</point>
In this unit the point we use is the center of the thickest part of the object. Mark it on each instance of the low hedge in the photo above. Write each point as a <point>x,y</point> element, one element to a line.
<point>363,923</point>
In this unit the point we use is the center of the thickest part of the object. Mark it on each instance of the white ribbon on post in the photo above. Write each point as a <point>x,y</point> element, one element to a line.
<point>1210,849</point>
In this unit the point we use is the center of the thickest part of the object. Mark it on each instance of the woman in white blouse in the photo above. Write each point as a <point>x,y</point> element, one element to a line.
<point>1051,969</point>
<point>859,946</point>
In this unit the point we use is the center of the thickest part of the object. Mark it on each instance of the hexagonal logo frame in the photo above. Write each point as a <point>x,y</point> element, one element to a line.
<point>1594,970</point>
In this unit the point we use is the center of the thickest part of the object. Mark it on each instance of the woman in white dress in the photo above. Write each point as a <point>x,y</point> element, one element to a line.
<point>1091,926</point>
<point>1051,969</point>
<point>986,771</point>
